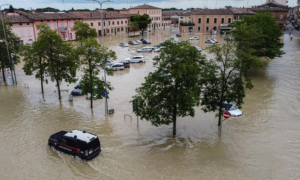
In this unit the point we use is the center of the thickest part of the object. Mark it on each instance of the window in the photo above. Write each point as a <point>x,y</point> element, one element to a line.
<point>55,26</point>
<point>122,29</point>
<point>92,24</point>
<point>281,16</point>
<point>207,20</point>
<point>181,17</point>
<point>118,29</point>
<point>215,20</point>
<point>70,35</point>
<point>199,29</point>
<point>99,24</point>
<point>29,33</point>
<point>222,20</point>
<point>112,30</point>
<point>70,25</point>
<point>199,20</point>
<point>49,25</point>
<point>62,25</point>
<point>113,23</point>
<point>125,22</point>
<point>117,22</point>
<point>207,28</point>
<point>121,22</point>
<point>28,23</point>
<point>229,20</point>
<point>20,24</point>
<point>107,30</point>
<point>64,36</point>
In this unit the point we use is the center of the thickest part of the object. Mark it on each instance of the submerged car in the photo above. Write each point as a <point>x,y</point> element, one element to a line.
<point>77,90</point>
<point>228,38</point>
<point>133,42</point>
<point>232,109</point>
<point>123,44</point>
<point>197,47</point>
<point>77,143</point>
<point>178,35</point>
<point>209,41</point>
<point>136,59</point>
<point>194,38</point>
<point>117,66</point>
<point>145,49</point>
<point>145,41</point>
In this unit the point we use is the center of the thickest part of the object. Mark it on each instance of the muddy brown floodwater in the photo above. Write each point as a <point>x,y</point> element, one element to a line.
<point>262,144</point>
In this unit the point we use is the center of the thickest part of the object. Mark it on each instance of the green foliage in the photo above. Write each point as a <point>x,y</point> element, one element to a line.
<point>14,46</point>
<point>110,9</point>
<point>47,9</point>
<point>174,88</point>
<point>134,26</point>
<point>142,20</point>
<point>222,79</point>
<point>11,8</point>
<point>62,60</point>
<point>83,30</point>
<point>91,58</point>
<point>255,37</point>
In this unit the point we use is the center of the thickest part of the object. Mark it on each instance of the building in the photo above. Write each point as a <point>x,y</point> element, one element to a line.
<point>154,13</point>
<point>62,22</point>
<point>281,2</point>
<point>124,11</point>
<point>21,26</point>
<point>113,22</point>
<point>208,21</point>
<point>239,13</point>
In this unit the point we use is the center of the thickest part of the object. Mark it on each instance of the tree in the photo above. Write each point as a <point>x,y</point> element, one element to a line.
<point>13,43</point>
<point>142,21</point>
<point>134,26</point>
<point>83,31</point>
<point>174,88</point>
<point>61,58</point>
<point>47,9</point>
<point>35,61</point>
<point>91,55</point>
<point>110,9</point>
<point>255,37</point>
<point>11,8</point>
<point>222,81</point>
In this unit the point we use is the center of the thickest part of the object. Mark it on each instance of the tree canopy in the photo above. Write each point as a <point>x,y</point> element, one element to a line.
<point>142,21</point>
<point>83,30</point>
<point>174,88</point>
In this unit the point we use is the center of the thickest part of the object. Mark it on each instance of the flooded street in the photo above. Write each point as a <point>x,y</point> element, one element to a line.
<point>264,143</point>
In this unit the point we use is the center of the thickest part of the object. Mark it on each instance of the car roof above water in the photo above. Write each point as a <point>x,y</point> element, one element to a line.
<point>81,135</point>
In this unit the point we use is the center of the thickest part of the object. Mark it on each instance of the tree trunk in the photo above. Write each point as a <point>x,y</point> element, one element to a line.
<point>3,71</point>
<point>58,88</point>
<point>175,109</point>
<point>142,33</point>
<point>42,75</point>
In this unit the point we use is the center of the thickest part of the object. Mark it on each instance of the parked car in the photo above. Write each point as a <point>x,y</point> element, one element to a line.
<point>194,38</point>
<point>182,42</point>
<point>78,86</point>
<point>123,44</point>
<point>209,41</point>
<point>78,143</point>
<point>145,49</point>
<point>133,42</point>
<point>145,41</point>
<point>136,59</point>
<point>228,38</point>
<point>232,109</point>
<point>158,49</point>
<point>108,62</point>
<point>117,66</point>
<point>77,90</point>
<point>178,35</point>
<point>139,42</point>
<point>216,41</point>
<point>197,47</point>
<point>126,63</point>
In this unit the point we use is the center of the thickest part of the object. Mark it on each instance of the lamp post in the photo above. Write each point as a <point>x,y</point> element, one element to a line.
<point>104,60</point>
<point>4,31</point>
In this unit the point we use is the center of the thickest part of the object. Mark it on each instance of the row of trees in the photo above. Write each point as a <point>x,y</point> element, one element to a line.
<point>50,58</point>
<point>184,78</point>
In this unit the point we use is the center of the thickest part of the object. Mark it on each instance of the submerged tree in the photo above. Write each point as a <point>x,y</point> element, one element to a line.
<point>222,81</point>
<point>13,44</point>
<point>61,58</point>
<point>83,31</point>
<point>173,90</point>
<point>142,20</point>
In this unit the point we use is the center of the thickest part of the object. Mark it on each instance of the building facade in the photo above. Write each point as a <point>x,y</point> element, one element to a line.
<point>154,13</point>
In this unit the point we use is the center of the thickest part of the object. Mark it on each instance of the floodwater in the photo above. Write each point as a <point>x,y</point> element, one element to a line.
<point>262,144</point>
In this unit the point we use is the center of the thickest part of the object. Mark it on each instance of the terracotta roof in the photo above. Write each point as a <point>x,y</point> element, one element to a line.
<point>47,16</point>
<point>212,12</point>
<point>187,13</point>
<point>17,19</point>
<point>268,9</point>
<point>97,14</point>
<point>272,2</point>
<point>144,6</point>
<point>241,11</point>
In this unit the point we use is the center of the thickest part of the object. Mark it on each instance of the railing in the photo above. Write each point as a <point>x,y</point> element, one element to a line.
<point>63,29</point>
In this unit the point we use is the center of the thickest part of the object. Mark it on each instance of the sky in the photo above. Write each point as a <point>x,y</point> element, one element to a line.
<point>118,4</point>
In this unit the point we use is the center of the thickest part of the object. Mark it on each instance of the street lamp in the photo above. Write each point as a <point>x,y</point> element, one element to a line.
<point>104,60</point>
<point>4,31</point>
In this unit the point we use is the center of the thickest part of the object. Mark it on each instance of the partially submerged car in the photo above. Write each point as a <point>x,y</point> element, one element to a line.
<point>77,143</point>
<point>232,109</point>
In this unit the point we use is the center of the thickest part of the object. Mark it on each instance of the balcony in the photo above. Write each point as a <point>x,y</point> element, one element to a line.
<point>63,29</point>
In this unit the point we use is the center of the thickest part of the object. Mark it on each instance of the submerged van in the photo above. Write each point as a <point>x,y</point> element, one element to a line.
<point>77,143</point>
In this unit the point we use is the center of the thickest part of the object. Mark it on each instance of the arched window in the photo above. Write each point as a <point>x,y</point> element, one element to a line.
<point>199,29</point>
<point>215,28</point>
<point>207,28</point>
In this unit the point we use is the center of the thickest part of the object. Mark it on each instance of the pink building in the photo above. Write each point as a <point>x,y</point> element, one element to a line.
<point>155,14</point>
<point>21,26</point>
<point>62,22</point>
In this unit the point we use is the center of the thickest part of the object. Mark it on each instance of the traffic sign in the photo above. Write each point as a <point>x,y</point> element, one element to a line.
<point>105,94</point>
<point>226,115</point>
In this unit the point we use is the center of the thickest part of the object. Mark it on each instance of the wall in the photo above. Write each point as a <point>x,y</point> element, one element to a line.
<point>24,31</point>
<point>110,26</point>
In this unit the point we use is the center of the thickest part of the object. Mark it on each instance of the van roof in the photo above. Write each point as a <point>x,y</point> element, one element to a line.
<point>81,135</point>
